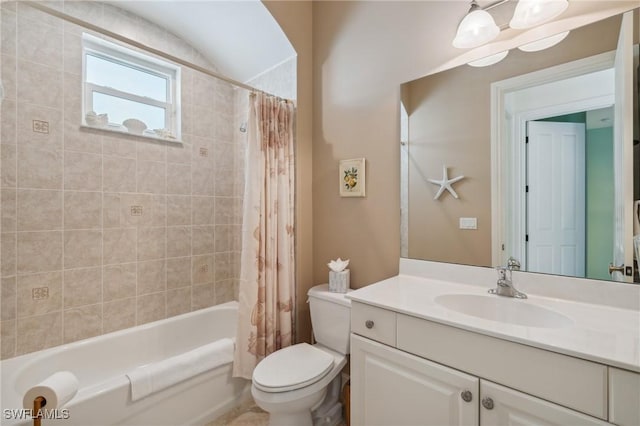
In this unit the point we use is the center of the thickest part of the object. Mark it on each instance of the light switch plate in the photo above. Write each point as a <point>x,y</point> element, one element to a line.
<point>468,223</point>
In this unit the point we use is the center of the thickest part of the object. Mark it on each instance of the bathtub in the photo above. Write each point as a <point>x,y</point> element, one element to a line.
<point>100,364</point>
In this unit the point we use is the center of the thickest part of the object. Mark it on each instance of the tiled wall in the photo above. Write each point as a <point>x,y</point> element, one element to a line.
<point>102,231</point>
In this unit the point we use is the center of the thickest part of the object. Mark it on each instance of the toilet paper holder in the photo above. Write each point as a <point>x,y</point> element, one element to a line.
<point>38,403</point>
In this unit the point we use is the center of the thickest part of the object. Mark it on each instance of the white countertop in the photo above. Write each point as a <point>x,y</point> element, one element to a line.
<point>604,334</point>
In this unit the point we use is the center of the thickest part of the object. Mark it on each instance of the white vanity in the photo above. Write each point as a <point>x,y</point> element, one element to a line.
<point>569,354</point>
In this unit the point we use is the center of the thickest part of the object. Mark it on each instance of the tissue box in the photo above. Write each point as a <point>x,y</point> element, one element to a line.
<point>339,281</point>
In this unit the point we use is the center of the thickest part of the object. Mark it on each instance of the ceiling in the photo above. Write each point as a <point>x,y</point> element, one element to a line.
<point>240,37</point>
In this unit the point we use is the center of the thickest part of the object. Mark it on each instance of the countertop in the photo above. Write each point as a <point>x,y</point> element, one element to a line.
<point>599,333</point>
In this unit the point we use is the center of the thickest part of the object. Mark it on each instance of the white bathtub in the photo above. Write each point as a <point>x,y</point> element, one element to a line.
<point>100,364</point>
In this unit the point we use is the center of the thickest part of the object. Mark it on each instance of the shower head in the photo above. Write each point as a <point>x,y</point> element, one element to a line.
<point>243,127</point>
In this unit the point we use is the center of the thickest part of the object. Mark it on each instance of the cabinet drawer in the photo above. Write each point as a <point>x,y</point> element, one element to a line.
<point>571,382</point>
<point>374,323</point>
<point>624,397</point>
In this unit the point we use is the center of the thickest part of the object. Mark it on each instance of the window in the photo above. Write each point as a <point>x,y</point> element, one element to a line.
<point>126,84</point>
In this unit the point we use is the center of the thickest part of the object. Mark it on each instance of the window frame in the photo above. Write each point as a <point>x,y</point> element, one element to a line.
<point>127,57</point>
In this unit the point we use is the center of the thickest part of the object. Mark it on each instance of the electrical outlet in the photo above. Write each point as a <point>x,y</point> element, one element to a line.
<point>468,223</point>
<point>40,293</point>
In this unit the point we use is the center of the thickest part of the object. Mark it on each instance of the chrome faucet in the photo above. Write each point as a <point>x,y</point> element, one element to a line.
<point>505,282</point>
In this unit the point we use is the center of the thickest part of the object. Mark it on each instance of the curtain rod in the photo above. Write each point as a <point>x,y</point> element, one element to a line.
<point>139,45</point>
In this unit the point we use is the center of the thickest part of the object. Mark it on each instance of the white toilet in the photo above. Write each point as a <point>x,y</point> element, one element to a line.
<point>300,385</point>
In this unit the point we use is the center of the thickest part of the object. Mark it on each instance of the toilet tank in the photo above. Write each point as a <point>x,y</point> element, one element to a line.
<point>330,318</point>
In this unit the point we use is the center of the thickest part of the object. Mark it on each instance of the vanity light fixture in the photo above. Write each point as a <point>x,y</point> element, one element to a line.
<point>530,13</point>
<point>545,43</point>
<point>489,60</point>
<point>476,28</point>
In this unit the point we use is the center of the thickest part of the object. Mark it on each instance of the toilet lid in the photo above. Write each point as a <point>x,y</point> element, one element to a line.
<point>292,368</point>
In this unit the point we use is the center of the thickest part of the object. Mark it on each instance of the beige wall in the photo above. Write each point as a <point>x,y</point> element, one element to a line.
<point>363,51</point>
<point>449,123</point>
<point>67,195</point>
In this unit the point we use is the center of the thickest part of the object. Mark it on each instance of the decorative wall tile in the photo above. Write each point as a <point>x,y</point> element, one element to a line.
<point>82,287</point>
<point>202,269</point>
<point>39,294</point>
<point>97,227</point>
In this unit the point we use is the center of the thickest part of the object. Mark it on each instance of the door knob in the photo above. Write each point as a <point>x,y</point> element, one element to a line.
<point>368,324</point>
<point>613,269</point>
<point>466,395</point>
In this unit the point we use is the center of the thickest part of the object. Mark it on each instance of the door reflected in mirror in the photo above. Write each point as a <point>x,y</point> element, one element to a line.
<point>551,202</point>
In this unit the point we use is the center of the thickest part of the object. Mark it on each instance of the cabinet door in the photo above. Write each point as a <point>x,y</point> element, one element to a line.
<point>504,406</point>
<point>391,387</point>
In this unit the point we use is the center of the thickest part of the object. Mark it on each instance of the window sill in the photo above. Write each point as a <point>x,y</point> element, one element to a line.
<point>116,128</point>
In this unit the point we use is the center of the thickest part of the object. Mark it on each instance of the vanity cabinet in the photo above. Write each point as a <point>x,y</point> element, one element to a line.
<point>411,371</point>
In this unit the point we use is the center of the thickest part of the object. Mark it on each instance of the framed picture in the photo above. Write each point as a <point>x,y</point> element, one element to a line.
<point>352,178</point>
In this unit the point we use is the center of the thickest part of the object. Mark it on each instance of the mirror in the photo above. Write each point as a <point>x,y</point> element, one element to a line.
<point>446,121</point>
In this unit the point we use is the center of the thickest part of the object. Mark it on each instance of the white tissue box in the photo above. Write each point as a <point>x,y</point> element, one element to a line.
<point>339,281</point>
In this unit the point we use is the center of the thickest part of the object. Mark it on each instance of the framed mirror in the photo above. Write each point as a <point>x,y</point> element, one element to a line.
<point>474,122</point>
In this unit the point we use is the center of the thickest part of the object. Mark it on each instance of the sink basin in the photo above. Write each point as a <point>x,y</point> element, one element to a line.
<point>505,310</point>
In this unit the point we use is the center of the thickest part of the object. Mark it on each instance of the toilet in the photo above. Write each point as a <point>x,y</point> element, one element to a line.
<point>300,385</point>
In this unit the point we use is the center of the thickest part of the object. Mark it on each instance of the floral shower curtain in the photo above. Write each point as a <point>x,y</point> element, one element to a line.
<point>267,275</point>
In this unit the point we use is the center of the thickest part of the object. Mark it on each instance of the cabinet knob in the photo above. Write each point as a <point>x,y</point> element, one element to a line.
<point>368,323</point>
<point>487,403</point>
<point>466,395</point>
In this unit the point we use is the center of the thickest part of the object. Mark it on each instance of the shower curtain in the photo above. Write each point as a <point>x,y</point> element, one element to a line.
<point>267,275</point>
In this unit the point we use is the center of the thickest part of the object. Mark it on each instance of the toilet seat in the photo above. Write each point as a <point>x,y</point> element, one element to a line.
<point>292,368</point>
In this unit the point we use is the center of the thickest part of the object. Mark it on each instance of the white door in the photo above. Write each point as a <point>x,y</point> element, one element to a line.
<point>391,387</point>
<point>556,198</point>
<point>623,151</point>
<point>503,406</point>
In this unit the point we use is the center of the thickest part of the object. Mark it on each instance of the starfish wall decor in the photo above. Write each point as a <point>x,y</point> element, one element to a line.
<point>445,183</point>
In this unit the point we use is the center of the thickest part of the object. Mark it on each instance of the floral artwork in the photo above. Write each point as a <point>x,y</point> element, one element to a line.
<point>352,178</point>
